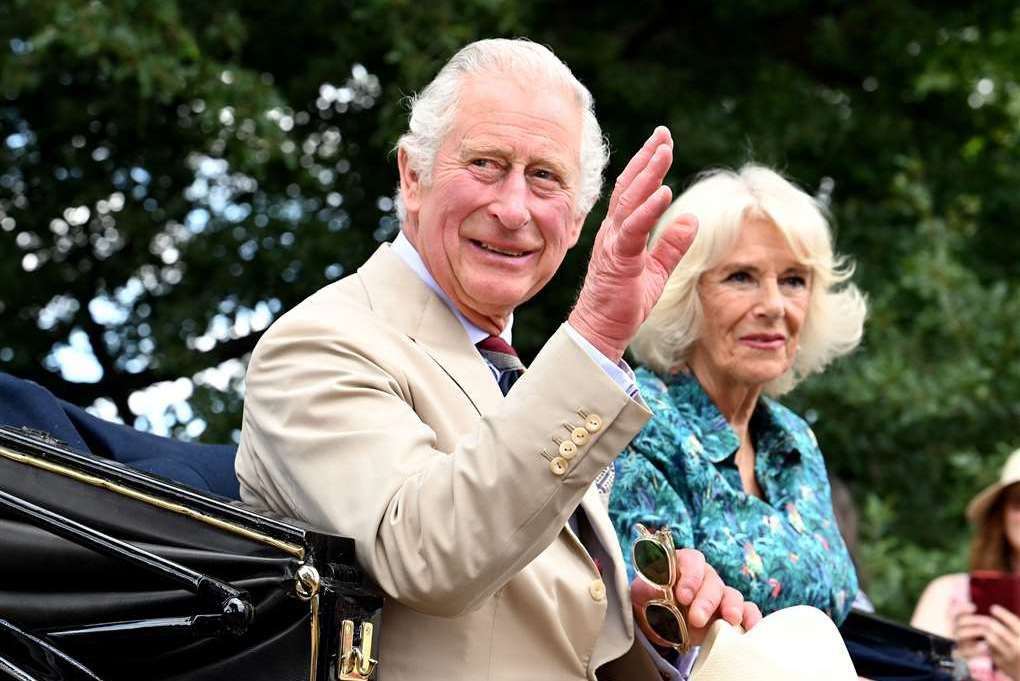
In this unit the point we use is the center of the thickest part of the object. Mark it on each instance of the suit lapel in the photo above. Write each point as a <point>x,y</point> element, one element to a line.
<point>444,339</point>
<point>400,296</point>
<point>594,504</point>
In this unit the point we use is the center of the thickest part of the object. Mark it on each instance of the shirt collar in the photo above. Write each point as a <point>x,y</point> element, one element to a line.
<point>774,436</point>
<point>406,251</point>
<point>718,441</point>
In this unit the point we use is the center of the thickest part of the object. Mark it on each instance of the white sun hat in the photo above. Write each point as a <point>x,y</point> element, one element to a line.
<point>794,644</point>
<point>979,505</point>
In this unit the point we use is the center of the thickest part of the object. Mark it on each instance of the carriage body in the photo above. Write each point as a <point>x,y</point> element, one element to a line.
<point>110,573</point>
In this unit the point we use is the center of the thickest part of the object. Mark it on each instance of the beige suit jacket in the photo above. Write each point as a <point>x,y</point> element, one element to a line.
<point>369,413</point>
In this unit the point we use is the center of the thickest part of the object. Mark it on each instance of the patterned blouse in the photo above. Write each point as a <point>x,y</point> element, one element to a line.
<point>680,472</point>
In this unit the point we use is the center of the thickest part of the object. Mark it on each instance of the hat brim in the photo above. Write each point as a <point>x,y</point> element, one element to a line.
<point>983,501</point>
<point>978,507</point>
<point>794,644</point>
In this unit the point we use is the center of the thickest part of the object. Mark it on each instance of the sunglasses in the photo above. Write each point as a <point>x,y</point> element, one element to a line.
<point>655,561</point>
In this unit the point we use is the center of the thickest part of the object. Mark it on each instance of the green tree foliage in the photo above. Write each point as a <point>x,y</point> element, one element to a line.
<point>176,174</point>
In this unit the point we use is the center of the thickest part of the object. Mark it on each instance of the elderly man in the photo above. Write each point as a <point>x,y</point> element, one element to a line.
<point>381,407</point>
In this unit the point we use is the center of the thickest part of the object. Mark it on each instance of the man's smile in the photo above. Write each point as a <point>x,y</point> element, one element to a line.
<point>492,248</point>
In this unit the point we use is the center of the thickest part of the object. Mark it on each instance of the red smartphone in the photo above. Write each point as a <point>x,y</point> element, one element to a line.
<point>988,587</point>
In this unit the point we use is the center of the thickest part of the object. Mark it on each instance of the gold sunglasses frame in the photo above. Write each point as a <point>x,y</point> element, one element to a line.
<point>664,538</point>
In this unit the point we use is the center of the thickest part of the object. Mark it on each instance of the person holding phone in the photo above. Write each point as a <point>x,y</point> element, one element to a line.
<point>979,610</point>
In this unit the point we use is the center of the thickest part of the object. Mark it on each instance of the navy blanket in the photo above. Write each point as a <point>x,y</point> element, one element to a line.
<point>208,468</point>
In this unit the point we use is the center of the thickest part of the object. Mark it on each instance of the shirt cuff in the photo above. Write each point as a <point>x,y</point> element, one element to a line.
<point>621,373</point>
<point>678,668</point>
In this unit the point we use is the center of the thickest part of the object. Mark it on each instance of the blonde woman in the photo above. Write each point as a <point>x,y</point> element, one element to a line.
<point>759,302</point>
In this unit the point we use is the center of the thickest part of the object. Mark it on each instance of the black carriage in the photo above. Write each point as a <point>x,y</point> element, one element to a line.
<point>107,572</point>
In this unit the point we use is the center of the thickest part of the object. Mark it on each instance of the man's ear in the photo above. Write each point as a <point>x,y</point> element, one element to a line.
<point>575,228</point>
<point>410,183</point>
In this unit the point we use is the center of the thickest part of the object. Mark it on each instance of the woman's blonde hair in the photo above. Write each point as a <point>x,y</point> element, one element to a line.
<point>723,201</point>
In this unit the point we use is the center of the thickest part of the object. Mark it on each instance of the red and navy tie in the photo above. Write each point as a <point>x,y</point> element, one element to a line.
<point>503,357</point>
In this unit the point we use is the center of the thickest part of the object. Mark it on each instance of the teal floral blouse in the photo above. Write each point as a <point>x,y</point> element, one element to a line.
<point>680,472</point>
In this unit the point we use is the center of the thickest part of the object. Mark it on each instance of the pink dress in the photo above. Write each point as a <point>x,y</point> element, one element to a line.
<point>981,667</point>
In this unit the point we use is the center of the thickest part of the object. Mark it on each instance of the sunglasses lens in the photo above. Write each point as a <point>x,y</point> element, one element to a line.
<point>664,622</point>
<point>652,561</point>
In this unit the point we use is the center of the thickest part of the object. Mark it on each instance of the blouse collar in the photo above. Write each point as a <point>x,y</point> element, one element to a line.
<point>717,440</point>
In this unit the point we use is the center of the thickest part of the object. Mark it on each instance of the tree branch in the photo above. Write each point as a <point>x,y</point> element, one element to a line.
<point>115,382</point>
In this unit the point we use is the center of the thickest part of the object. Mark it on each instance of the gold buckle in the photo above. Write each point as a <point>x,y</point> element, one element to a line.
<point>356,664</point>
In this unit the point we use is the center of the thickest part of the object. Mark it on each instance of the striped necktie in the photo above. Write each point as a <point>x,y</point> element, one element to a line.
<point>503,358</point>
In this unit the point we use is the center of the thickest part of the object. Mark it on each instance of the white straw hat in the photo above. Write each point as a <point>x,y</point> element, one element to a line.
<point>794,644</point>
<point>984,499</point>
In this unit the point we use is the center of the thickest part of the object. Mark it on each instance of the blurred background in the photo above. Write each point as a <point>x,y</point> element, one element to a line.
<point>175,174</point>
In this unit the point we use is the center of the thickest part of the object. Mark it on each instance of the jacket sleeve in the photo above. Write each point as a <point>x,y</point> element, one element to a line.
<point>332,435</point>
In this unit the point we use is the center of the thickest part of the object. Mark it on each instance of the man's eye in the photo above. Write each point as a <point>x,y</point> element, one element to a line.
<point>483,163</point>
<point>546,175</point>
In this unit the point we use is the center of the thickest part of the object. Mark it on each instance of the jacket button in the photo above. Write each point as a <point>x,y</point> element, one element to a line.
<point>593,423</point>
<point>558,465</point>
<point>568,449</point>
<point>579,436</point>
<point>597,590</point>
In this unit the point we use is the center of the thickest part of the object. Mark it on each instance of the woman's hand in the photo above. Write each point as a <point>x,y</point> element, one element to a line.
<point>996,636</point>
<point>700,592</point>
<point>1002,635</point>
<point>968,630</point>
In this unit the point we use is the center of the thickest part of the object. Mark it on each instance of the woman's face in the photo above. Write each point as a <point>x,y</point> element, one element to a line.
<point>1011,516</point>
<point>755,302</point>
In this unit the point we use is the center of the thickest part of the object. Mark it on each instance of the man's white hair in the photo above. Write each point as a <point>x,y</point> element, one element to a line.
<point>433,109</point>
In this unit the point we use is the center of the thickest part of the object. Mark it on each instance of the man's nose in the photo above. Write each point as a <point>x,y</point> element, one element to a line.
<point>510,205</point>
